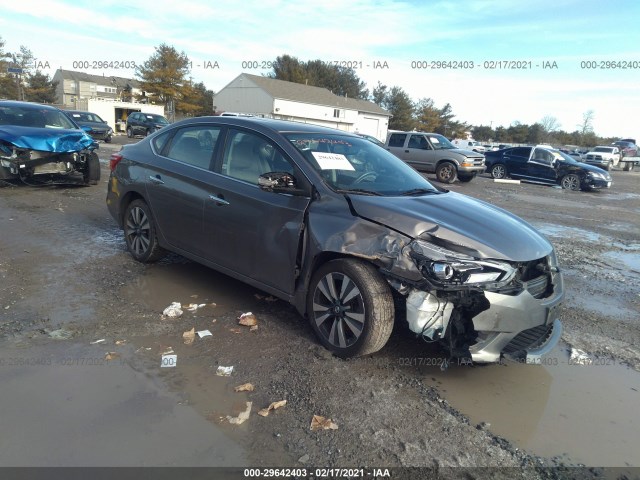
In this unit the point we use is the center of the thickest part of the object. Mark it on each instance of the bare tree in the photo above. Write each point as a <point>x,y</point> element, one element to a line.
<point>550,124</point>
<point>587,122</point>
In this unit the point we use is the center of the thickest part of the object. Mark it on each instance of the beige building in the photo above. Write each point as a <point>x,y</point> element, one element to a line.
<point>268,97</point>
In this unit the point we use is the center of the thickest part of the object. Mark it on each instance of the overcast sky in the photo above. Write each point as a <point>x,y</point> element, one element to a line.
<point>403,35</point>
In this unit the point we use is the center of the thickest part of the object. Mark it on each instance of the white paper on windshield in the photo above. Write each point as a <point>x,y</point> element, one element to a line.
<point>332,161</point>
<point>434,140</point>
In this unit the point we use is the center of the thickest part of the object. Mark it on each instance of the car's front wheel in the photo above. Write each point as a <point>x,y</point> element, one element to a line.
<point>498,171</point>
<point>446,172</point>
<point>140,233</point>
<point>129,132</point>
<point>466,178</point>
<point>571,182</point>
<point>350,307</point>
<point>91,172</point>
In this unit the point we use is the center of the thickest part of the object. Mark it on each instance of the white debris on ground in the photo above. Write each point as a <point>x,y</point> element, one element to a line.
<point>242,417</point>
<point>173,311</point>
<point>580,357</point>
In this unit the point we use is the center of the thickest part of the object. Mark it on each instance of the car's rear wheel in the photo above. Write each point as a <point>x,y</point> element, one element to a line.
<point>446,172</point>
<point>129,132</point>
<point>91,172</point>
<point>140,233</point>
<point>350,307</point>
<point>498,171</point>
<point>571,182</point>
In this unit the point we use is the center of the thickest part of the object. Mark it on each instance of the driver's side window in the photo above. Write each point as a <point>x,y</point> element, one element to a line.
<point>418,141</point>
<point>247,156</point>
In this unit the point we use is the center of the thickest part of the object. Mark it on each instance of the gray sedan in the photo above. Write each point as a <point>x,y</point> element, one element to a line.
<point>343,230</point>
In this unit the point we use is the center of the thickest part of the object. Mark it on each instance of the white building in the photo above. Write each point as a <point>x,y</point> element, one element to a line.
<point>112,98</point>
<point>273,98</point>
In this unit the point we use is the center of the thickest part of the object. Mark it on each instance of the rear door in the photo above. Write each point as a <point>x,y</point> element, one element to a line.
<point>250,231</point>
<point>179,183</point>
<point>516,161</point>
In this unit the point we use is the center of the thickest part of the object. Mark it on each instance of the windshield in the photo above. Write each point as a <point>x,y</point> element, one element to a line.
<point>439,142</point>
<point>355,165</point>
<point>603,149</point>
<point>157,118</point>
<point>35,117</point>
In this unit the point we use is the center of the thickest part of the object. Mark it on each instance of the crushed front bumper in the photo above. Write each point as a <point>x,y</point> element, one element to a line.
<point>520,327</point>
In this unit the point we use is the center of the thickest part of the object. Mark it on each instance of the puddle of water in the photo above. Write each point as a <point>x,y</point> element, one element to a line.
<point>580,234</point>
<point>604,304</point>
<point>627,260</point>
<point>67,406</point>
<point>553,230</point>
<point>589,412</point>
<point>189,282</point>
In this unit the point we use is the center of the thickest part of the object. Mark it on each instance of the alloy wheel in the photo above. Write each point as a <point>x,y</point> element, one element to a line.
<point>138,231</point>
<point>339,310</point>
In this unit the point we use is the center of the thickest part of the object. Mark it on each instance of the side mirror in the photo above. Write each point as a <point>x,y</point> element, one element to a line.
<point>279,182</point>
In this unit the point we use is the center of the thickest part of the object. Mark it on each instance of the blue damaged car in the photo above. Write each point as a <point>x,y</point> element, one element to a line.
<point>40,144</point>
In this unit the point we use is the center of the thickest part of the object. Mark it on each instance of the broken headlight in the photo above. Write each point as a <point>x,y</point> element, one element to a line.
<point>445,267</point>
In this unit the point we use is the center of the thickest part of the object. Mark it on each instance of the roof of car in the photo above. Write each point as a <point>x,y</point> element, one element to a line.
<point>16,103</point>
<point>280,126</point>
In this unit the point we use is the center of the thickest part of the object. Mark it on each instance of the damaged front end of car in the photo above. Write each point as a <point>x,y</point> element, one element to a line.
<point>484,309</point>
<point>37,160</point>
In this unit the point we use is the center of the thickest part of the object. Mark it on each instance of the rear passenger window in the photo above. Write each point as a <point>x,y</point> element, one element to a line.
<point>194,145</point>
<point>160,141</point>
<point>397,139</point>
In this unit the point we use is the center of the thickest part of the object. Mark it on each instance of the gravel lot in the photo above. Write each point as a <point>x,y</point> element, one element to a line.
<point>66,281</point>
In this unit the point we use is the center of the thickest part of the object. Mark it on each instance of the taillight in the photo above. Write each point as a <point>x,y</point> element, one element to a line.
<point>114,160</point>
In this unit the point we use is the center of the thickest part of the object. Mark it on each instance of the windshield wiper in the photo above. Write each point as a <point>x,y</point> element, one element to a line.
<point>359,190</point>
<point>419,191</point>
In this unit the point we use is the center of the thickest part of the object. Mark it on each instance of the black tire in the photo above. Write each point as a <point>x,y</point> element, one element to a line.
<point>91,172</point>
<point>350,307</point>
<point>140,233</point>
<point>570,181</point>
<point>146,132</point>
<point>498,171</point>
<point>466,178</point>
<point>129,132</point>
<point>446,172</point>
<point>107,139</point>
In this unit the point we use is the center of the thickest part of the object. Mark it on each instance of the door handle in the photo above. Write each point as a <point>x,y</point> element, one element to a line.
<point>218,200</point>
<point>406,151</point>
<point>156,179</point>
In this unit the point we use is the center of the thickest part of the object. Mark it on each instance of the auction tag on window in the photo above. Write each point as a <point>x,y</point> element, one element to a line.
<point>332,161</point>
<point>169,361</point>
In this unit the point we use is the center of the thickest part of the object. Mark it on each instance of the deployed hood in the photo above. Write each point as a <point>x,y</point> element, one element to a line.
<point>451,220</point>
<point>46,139</point>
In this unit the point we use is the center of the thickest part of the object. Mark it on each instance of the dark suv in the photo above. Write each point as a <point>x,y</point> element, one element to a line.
<point>139,123</point>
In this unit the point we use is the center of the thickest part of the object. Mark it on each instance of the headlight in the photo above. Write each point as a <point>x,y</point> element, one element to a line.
<point>597,175</point>
<point>445,267</point>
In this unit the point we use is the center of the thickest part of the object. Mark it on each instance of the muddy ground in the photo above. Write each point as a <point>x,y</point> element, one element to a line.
<point>66,281</point>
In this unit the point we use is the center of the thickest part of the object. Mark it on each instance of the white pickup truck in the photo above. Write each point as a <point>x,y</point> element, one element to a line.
<point>603,157</point>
